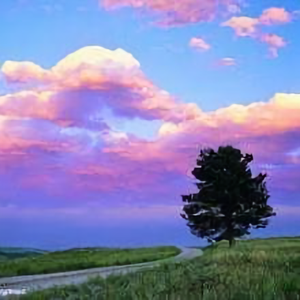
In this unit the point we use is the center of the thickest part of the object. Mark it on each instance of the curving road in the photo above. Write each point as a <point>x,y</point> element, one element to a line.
<point>22,284</point>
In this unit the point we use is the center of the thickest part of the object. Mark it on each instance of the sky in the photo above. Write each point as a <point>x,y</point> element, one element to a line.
<point>105,105</point>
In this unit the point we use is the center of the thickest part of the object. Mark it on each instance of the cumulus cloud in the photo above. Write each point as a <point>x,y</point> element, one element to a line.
<point>66,109</point>
<point>244,26</point>
<point>77,69</point>
<point>54,134</point>
<point>23,72</point>
<point>257,128</point>
<point>274,16</point>
<point>254,119</point>
<point>172,13</point>
<point>199,44</point>
<point>58,112</point>
<point>102,76</point>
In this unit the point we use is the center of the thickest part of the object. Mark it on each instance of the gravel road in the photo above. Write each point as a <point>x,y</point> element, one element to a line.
<point>18,284</point>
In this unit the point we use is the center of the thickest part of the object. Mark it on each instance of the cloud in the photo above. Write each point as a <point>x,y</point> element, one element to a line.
<point>172,13</point>
<point>247,26</point>
<point>254,119</point>
<point>257,128</point>
<point>227,62</point>
<point>199,44</point>
<point>54,134</point>
<point>251,27</point>
<point>274,16</point>
<point>105,77</point>
<point>243,26</point>
<point>275,42</point>
<point>66,109</point>
<point>77,69</point>
<point>23,72</point>
<point>58,113</point>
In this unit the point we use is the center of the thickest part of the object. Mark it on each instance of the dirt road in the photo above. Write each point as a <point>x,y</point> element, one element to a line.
<point>22,284</point>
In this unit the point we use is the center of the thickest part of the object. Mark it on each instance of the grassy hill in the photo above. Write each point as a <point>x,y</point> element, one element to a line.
<point>7,253</point>
<point>261,269</point>
<point>80,259</point>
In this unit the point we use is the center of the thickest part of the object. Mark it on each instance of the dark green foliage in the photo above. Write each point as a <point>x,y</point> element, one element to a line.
<point>229,202</point>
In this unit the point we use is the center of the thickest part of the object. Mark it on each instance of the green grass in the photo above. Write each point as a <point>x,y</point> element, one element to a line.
<point>254,270</point>
<point>79,259</point>
<point>7,253</point>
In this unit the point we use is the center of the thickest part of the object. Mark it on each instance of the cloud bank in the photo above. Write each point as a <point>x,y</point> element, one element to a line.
<point>57,144</point>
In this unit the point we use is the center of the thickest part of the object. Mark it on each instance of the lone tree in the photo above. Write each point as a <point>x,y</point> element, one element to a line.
<point>229,202</point>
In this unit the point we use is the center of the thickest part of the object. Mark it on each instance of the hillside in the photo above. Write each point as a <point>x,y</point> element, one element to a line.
<point>7,253</point>
<point>261,269</point>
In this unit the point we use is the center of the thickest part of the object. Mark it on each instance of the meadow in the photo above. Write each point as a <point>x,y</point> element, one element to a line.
<point>7,253</point>
<point>79,259</point>
<point>252,270</point>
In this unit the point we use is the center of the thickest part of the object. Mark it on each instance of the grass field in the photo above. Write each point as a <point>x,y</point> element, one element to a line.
<point>7,253</point>
<point>79,259</point>
<point>253,270</point>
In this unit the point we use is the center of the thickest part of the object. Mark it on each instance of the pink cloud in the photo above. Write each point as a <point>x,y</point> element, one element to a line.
<point>178,13</point>
<point>106,77</point>
<point>23,72</point>
<point>247,26</point>
<point>255,128</point>
<point>243,26</point>
<point>274,16</point>
<point>251,27</point>
<point>86,63</point>
<point>275,42</point>
<point>254,119</point>
<point>44,152</point>
<point>49,105</point>
<point>199,44</point>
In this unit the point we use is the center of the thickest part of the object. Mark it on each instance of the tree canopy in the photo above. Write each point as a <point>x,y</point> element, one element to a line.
<point>230,201</point>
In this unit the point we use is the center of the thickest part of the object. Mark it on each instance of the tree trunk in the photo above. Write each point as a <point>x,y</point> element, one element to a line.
<point>231,242</point>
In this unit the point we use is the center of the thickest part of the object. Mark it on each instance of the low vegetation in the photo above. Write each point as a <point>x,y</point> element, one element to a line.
<point>79,259</point>
<point>252,270</point>
<point>7,253</point>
